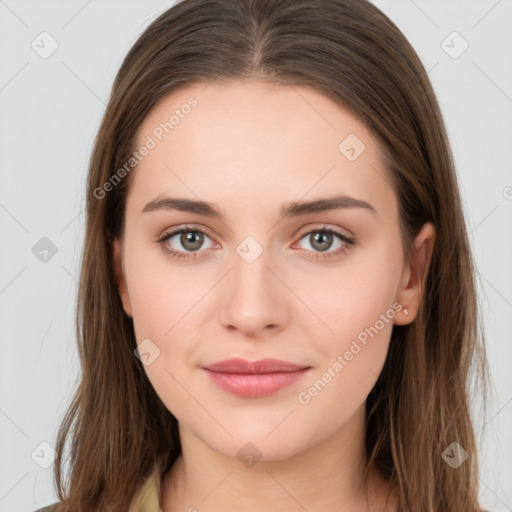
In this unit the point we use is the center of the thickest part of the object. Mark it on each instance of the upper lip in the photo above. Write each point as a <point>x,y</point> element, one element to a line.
<point>242,366</point>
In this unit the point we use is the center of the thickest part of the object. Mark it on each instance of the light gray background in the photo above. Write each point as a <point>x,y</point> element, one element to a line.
<point>50,111</point>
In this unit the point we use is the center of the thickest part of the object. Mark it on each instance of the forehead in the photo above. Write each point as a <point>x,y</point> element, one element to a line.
<point>257,140</point>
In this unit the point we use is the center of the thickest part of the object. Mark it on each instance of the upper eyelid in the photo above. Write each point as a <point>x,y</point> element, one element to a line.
<point>187,227</point>
<point>302,231</point>
<point>323,227</point>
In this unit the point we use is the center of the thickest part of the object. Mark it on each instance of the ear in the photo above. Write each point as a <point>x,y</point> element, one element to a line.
<point>117,259</point>
<point>415,273</point>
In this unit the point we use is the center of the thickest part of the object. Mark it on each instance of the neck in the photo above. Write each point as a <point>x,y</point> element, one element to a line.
<point>328,476</point>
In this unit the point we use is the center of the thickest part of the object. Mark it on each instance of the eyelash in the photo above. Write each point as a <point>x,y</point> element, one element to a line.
<point>350,242</point>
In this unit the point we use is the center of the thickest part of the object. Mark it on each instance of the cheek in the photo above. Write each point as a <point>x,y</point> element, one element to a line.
<point>349,299</point>
<point>361,314</point>
<point>161,293</point>
<point>165,303</point>
<point>355,304</point>
<point>162,306</point>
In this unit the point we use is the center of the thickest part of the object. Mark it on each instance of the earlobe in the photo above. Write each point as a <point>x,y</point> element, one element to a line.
<point>119,275</point>
<point>415,275</point>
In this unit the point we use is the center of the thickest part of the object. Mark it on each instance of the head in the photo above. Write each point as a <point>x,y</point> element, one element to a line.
<point>265,106</point>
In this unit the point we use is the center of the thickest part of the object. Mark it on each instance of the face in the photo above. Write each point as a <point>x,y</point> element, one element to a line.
<point>263,277</point>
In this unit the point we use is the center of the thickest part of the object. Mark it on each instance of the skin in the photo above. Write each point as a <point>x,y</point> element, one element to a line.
<point>249,147</point>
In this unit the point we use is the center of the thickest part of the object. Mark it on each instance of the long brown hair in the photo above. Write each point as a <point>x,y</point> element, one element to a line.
<point>348,50</point>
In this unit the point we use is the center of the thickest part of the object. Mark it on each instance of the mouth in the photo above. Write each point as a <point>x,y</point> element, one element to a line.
<point>252,379</point>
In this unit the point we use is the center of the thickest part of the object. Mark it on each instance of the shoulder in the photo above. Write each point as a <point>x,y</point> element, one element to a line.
<point>146,499</point>
<point>48,508</point>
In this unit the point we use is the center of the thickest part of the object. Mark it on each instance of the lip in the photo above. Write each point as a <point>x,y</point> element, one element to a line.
<point>254,378</point>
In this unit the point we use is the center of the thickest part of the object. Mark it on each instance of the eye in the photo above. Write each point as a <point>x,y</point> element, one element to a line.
<point>185,240</point>
<point>322,239</point>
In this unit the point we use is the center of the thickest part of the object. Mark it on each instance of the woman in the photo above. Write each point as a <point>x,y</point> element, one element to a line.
<point>277,304</point>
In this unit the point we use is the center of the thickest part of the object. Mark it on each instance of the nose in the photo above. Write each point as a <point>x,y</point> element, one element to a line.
<point>254,301</point>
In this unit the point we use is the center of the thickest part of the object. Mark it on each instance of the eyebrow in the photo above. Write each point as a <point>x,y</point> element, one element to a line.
<point>293,209</point>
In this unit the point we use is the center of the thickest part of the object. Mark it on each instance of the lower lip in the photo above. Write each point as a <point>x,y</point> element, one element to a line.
<point>253,386</point>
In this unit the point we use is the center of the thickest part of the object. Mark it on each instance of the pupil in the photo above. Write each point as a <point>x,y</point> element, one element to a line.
<point>322,237</point>
<point>193,239</point>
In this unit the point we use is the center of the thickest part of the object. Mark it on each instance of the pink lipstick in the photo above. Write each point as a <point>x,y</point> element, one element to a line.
<point>254,378</point>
